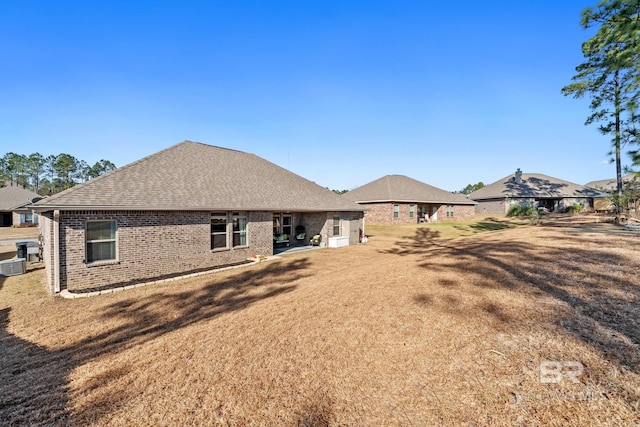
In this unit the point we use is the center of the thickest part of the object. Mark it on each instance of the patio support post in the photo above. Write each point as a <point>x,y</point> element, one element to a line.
<point>56,251</point>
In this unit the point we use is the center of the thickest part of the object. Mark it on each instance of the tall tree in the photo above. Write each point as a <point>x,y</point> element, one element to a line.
<point>610,75</point>
<point>50,170</point>
<point>66,167</point>
<point>14,168</point>
<point>35,165</point>
<point>100,168</point>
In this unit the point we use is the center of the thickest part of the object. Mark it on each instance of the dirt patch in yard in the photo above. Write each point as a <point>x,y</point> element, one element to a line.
<point>18,233</point>
<point>408,329</point>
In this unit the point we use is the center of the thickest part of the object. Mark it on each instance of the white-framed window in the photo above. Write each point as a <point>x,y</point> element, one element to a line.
<point>219,239</point>
<point>450,211</point>
<point>100,237</point>
<point>412,211</point>
<point>282,224</point>
<point>336,225</point>
<point>240,229</point>
<point>28,218</point>
<point>396,210</point>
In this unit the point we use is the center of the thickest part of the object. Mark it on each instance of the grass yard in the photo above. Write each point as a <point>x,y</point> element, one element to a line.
<point>413,328</point>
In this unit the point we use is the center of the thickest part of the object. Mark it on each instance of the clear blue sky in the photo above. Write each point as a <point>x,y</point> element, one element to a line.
<point>340,92</point>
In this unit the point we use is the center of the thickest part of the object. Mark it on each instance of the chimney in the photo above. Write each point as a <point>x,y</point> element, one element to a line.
<point>518,176</point>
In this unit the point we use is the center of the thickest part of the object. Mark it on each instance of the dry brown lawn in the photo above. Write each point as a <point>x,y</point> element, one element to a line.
<point>411,329</point>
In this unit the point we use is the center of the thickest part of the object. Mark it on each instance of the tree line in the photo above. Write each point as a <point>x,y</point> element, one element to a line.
<point>51,174</point>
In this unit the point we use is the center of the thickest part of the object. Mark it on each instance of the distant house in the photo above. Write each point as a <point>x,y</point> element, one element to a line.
<point>189,208</point>
<point>13,199</point>
<point>611,185</point>
<point>534,189</point>
<point>398,199</point>
<point>607,187</point>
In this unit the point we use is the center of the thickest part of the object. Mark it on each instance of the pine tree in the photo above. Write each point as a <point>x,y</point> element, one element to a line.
<point>610,75</point>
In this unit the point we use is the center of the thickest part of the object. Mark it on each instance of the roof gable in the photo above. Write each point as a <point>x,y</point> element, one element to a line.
<point>196,176</point>
<point>12,196</point>
<point>400,188</point>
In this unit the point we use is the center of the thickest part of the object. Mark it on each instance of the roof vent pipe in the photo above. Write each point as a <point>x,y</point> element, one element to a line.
<point>518,176</point>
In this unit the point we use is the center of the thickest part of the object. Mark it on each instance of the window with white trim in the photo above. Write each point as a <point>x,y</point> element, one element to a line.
<point>239,229</point>
<point>219,231</point>
<point>282,224</point>
<point>336,225</point>
<point>100,237</point>
<point>396,210</point>
<point>412,211</point>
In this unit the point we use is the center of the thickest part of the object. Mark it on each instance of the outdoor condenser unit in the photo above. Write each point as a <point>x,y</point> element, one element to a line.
<point>12,267</point>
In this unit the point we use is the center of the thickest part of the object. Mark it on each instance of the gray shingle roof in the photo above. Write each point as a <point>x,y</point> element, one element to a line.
<point>610,184</point>
<point>195,176</point>
<point>400,188</point>
<point>532,185</point>
<point>12,196</point>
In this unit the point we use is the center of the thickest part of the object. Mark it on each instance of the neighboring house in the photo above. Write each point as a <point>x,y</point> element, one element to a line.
<point>607,187</point>
<point>13,199</point>
<point>611,185</point>
<point>189,208</point>
<point>397,199</point>
<point>534,189</point>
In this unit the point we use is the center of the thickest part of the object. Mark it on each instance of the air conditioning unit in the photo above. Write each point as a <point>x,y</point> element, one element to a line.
<point>12,267</point>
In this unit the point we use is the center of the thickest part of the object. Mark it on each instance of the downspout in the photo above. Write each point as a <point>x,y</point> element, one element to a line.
<point>56,251</point>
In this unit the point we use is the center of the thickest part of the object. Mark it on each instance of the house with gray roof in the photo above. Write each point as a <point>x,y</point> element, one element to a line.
<point>611,185</point>
<point>398,199</point>
<point>535,189</point>
<point>186,209</point>
<point>13,199</point>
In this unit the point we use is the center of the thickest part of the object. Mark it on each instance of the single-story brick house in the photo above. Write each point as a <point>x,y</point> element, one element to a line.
<point>611,185</point>
<point>608,187</point>
<point>13,199</point>
<point>189,208</point>
<point>398,199</point>
<point>535,189</point>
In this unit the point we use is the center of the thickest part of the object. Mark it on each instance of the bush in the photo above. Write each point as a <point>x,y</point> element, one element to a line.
<point>522,210</point>
<point>574,208</point>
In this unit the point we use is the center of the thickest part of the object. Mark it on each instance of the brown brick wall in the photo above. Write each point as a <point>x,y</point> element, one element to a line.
<point>497,207</point>
<point>382,213</point>
<point>460,213</point>
<point>151,245</point>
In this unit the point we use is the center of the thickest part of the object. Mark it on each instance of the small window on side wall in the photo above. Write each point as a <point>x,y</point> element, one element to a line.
<point>100,241</point>
<point>396,211</point>
<point>336,225</point>
<point>219,231</point>
<point>240,229</point>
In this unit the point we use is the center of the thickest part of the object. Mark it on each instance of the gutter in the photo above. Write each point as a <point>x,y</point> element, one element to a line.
<point>432,202</point>
<point>45,208</point>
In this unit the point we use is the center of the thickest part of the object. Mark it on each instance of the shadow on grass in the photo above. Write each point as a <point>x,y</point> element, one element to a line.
<point>495,225</point>
<point>34,380</point>
<point>599,288</point>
